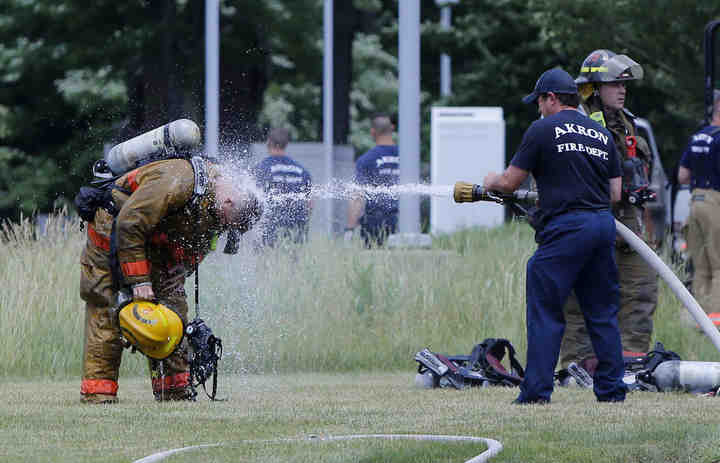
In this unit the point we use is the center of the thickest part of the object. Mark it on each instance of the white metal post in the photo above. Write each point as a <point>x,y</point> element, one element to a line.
<point>212,77</point>
<point>409,105</point>
<point>445,75</point>
<point>328,85</point>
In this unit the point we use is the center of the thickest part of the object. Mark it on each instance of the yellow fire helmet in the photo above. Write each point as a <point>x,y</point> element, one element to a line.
<point>154,329</point>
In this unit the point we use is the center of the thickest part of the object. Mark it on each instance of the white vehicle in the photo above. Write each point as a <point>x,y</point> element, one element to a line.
<point>681,212</point>
<point>658,209</point>
<point>665,219</point>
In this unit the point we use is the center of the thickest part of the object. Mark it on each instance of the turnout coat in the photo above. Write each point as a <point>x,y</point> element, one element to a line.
<point>161,232</point>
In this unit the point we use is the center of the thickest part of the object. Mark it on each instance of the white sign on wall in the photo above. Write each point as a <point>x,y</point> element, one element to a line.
<point>466,144</point>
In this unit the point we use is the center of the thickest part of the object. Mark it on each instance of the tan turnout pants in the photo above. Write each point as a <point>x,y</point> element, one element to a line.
<point>102,352</point>
<point>703,240</point>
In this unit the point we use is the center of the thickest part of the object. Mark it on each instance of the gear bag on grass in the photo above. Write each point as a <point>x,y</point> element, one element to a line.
<point>645,366</point>
<point>638,368</point>
<point>487,357</point>
<point>483,367</point>
<point>651,360</point>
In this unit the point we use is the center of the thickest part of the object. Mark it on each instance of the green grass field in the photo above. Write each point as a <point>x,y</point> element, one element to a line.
<point>320,341</point>
<point>43,421</point>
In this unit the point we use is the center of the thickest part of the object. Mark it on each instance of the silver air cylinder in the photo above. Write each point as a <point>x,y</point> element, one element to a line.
<point>177,135</point>
<point>426,380</point>
<point>680,375</point>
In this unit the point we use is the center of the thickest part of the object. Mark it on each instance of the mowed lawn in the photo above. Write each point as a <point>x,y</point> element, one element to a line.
<point>300,326</point>
<point>271,418</point>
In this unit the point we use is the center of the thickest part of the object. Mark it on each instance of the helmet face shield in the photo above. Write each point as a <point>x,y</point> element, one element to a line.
<point>606,66</point>
<point>621,67</point>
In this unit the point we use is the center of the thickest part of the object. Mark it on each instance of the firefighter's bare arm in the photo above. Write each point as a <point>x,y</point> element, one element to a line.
<point>507,182</point>
<point>356,209</point>
<point>683,175</point>
<point>615,189</point>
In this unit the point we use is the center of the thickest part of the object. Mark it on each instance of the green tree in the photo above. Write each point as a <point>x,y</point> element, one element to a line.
<point>498,51</point>
<point>76,75</point>
<point>664,36</point>
<point>54,97</point>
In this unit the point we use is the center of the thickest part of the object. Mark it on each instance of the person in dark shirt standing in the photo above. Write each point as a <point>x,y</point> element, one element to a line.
<point>700,167</point>
<point>287,186</point>
<point>578,173</point>
<point>376,212</point>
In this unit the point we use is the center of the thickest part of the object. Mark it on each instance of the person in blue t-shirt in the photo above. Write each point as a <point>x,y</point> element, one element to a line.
<point>287,186</point>
<point>700,167</point>
<point>376,212</point>
<point>578,173</point>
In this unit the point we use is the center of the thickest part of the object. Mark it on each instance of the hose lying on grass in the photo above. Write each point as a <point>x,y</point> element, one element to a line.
<point>494,447</point>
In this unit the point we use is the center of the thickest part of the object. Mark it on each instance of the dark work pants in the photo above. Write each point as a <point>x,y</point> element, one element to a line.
<point>295,232</point>
<point>374,230</point>
<point>576,251</point>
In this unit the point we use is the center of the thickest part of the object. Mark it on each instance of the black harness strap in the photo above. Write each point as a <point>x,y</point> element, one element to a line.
<point>116,273</point>
<point>213,347</point>
<point>197,287</point>
<point>496,349</point>
<point>482,367</point>
<point>656,356</point>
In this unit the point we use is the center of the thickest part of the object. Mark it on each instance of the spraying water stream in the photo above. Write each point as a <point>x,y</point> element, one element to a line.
<point>337,189</point>
<point>234,285</point>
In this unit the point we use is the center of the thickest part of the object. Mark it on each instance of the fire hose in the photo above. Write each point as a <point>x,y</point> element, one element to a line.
<point>494,447</point>
<point>467,192</point>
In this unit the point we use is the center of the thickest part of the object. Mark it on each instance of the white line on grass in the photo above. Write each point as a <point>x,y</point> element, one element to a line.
<point>494,447</point>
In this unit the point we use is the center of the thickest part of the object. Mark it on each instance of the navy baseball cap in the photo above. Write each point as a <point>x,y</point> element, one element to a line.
<point>554,80</point>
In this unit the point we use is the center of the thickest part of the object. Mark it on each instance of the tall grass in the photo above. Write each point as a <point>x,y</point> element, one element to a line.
<point>325,306</point>
<point>42,317</point>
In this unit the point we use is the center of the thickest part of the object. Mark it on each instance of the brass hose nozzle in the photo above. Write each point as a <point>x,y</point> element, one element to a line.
<point>467,192</point>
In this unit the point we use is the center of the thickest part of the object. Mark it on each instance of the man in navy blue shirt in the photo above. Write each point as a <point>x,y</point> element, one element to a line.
<point>577,169</point>
<point>287,186</point>
<point>376,209</point>
<point>700,167</point>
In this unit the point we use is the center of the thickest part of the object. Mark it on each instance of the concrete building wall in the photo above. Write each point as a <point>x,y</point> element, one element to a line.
<point>312,157</point>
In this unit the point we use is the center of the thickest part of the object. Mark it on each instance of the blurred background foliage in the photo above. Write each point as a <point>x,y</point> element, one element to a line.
<point>76,75</point>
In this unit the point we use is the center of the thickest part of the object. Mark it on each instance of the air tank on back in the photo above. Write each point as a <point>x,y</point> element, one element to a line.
<point>159,143</point>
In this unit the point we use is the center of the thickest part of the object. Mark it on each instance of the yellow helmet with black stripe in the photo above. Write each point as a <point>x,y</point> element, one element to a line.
<point>154,329</point>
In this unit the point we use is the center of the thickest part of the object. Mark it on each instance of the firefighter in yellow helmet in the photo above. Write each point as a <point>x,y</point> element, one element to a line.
<point>602,86</point>
<point>164,226</point>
